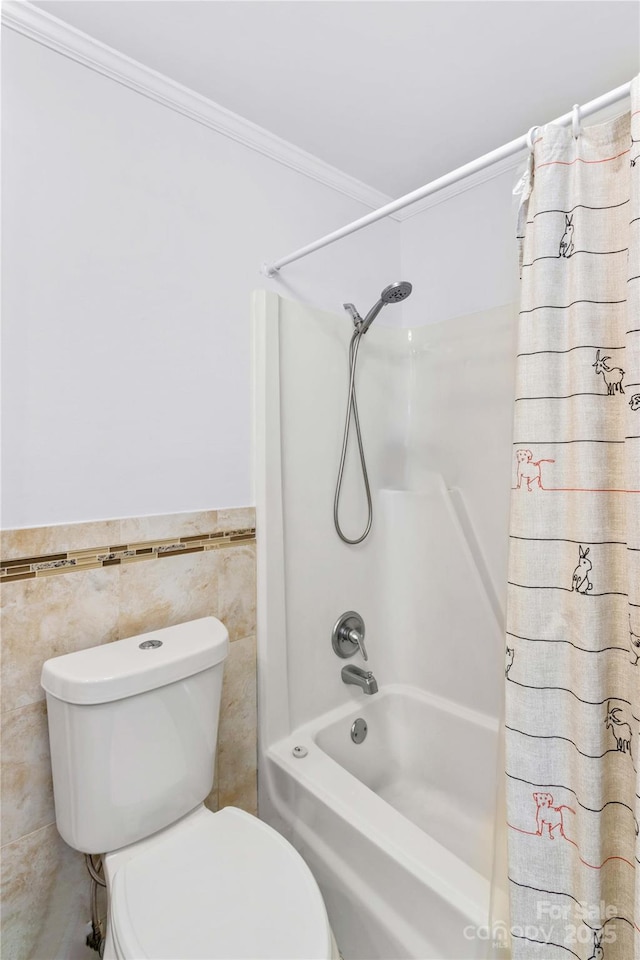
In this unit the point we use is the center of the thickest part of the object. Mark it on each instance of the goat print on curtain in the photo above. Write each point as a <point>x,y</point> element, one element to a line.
<point>573,639</point>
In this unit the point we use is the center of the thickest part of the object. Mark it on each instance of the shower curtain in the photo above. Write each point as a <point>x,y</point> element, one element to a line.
<point>572,704</point>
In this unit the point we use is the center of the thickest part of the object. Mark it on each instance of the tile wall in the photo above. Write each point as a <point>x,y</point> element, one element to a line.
<point>73,586</point>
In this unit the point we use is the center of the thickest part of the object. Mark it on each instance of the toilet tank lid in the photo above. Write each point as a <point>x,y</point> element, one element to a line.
<point>123,668</point>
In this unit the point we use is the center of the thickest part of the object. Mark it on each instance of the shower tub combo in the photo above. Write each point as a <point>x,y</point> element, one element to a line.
<point>398,826</point>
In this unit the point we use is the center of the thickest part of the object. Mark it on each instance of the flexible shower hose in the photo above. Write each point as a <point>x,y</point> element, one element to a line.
<point>352,409</point>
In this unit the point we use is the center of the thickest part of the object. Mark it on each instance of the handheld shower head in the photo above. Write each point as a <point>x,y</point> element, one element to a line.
<point>394,293</point>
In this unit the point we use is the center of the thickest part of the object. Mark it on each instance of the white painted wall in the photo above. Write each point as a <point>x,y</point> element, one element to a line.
<point>461,254</point>
<point>132,239</point>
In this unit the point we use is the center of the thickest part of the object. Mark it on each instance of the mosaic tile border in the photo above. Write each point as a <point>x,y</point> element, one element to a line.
<point>92,558</point>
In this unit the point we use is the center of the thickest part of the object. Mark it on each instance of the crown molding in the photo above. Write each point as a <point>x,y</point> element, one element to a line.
<point>61,37</point>
<point>38,25</point>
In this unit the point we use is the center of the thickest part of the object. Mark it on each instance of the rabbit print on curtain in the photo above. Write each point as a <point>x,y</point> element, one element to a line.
<point>573,619</point>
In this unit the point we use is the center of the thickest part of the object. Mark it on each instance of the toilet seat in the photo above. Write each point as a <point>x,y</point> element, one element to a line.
<point>218,886</point>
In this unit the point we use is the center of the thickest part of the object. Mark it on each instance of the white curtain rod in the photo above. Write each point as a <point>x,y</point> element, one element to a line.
<point>508,150</point>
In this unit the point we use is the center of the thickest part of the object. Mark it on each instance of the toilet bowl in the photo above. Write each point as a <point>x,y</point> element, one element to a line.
<point>133,731</point>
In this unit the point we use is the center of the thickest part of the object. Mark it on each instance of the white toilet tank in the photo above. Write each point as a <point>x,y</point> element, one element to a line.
<point>133,727</point>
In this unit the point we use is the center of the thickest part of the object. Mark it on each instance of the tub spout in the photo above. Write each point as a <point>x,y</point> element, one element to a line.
<point>361,678</point>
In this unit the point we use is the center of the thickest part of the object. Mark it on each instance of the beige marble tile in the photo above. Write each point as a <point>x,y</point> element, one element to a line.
<point>27,790</point>
<point>167,591</point>
<point>237,752</point>
<point>237,589</point>
<point>39,541</point>
<point>236,518</point>
<point>168,525</point>
<point>47,617</point>
<point>212,800</point>
<point>60,538</point>
<point>45,898</point>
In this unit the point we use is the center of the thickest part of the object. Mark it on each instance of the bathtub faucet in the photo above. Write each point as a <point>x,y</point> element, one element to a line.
<point>361,678</point>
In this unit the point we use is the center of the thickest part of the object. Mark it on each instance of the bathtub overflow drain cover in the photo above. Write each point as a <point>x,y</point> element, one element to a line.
<point>358,730</point>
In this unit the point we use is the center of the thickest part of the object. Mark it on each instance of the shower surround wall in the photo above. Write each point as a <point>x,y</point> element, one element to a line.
<point>435,413</point>
<point>69,587</point>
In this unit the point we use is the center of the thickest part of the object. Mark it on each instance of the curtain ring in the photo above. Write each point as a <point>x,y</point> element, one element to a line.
<point>575,120</point>
<point>530,138</point>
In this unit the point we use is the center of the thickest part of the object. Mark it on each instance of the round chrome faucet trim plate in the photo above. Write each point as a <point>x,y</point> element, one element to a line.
<point>347,636</point>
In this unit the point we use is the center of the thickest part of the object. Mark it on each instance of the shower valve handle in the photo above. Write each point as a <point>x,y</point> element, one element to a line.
<point>356,637</point>
<point>348,635</point>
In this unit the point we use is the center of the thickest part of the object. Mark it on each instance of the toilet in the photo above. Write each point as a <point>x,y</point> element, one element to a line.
<point>133,728</point>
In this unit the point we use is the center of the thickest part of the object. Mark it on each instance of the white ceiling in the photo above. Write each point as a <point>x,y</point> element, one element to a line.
<point>393,92</point>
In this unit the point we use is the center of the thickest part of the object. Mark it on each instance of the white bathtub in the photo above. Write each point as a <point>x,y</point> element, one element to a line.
<point>398,829</point>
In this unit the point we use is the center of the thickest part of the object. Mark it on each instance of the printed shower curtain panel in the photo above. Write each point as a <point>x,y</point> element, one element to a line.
<point>572,710</point>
